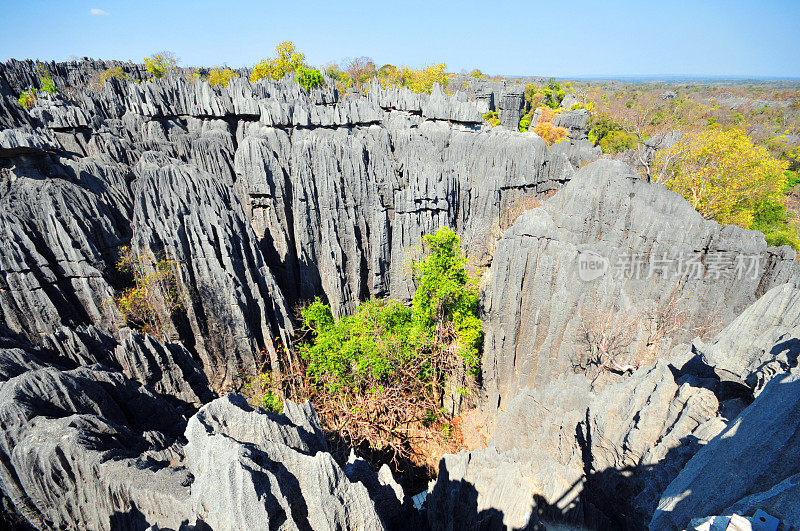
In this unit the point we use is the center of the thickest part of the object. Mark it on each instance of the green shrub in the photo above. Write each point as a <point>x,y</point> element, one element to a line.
<point>772,217</point>
<point>357,351</point>
<point>309,78</point>
<point>525,123</point>
<point>785,236</point>
<point>384,368</point>
<point>46,80</point>
<point>261,391</point>
<point>610,136</point>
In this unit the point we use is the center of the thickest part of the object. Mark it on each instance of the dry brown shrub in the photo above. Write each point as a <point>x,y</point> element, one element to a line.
<point>610,336</point>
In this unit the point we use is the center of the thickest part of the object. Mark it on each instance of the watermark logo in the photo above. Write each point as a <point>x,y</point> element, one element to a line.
<point>714,266</point>
<point>592,265</point>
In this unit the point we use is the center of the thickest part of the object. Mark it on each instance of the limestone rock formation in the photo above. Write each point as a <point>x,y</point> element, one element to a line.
<point>600,450</point>
<point>266,196</point>
<point>512,104</point>
<point>752,464</point>
<point>90,448</point>
<point>253,469</point>
<point>575,122</point>
<point>652,249</point>
<point>762,342</point>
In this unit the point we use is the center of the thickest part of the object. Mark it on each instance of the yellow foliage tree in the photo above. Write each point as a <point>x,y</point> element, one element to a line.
<point>161,64</point>
<point>423,80</point>
<point>220,76</point>
<point>287,59</point>
<point>550,133</point>
<point>417,80</point>
<point>116,72</point>
<point>722,174</point>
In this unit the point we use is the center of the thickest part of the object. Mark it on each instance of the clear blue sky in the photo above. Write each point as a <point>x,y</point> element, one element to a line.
<point>602,37</point>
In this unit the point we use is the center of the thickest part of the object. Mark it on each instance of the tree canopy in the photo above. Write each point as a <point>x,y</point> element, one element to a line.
<point>722,174</point>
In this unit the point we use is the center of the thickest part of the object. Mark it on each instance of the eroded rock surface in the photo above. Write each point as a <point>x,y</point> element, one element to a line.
<point>266,196</point>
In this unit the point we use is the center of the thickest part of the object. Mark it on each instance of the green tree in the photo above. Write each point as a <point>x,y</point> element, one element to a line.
<point>309,78</point>
<point>617,141</point>
<point>446,298</point>
<point>381,371</point>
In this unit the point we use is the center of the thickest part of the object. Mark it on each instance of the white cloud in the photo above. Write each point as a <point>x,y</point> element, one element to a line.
<point>98,12</point>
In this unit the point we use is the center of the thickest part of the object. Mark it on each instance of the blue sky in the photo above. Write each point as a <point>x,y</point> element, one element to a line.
<point>575,38</point>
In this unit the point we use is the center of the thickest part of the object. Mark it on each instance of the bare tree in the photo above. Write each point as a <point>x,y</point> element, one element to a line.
<point>360,69</point>
<point>610,336</point>
<point>607,335</point>
<point>673,317</point>
<point>646,115</point>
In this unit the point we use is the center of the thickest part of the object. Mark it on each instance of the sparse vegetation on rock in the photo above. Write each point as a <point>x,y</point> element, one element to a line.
<point>220,76</point>
<point>117,73</point>
<point>378,376</point>
<point>161,64</point>
<point>287,59</point>
<point>157,291</point>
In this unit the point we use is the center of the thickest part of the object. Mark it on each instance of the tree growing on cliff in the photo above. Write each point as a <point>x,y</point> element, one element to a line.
<point>156,294</point>
<point>550,94</point>
<point>309,78</point>
<point>161,64</point>
<point>221,76</point>
<point>379,375</point>
<point>420,81</point>
<point>287,59</point>
<point>360,69</point>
